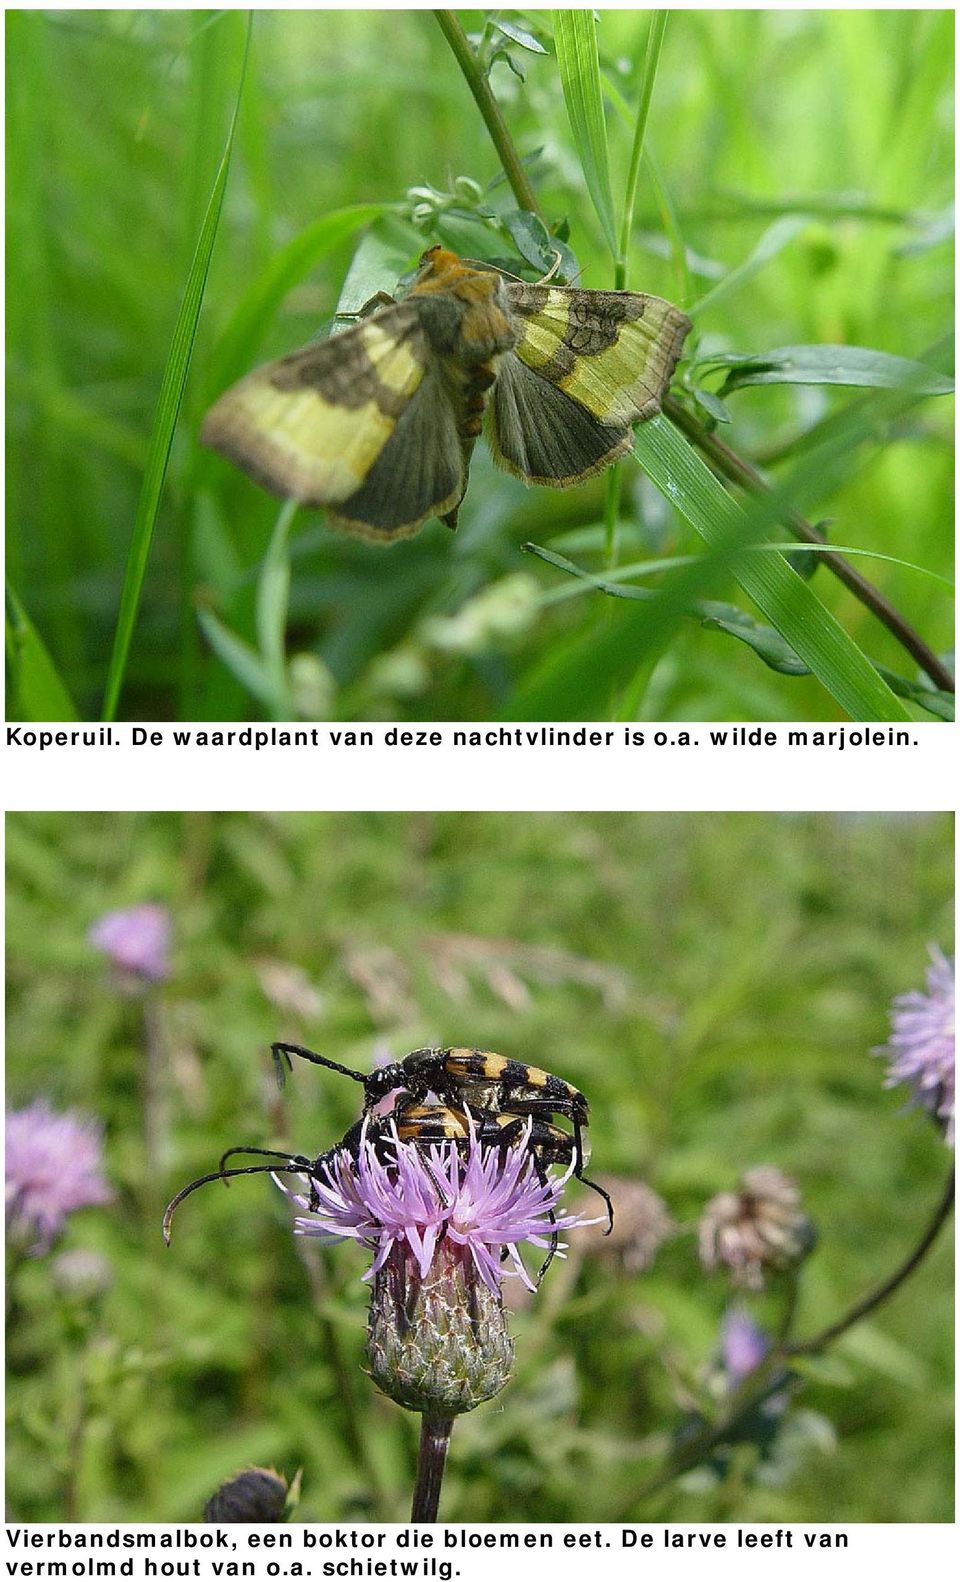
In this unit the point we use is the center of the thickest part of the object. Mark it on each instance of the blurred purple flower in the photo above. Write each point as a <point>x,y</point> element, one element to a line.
<point>920,1049</point>
<point>489,1201</point>
<point>136,939</point>
<point>743,1344</point>
<point>53,1166</point>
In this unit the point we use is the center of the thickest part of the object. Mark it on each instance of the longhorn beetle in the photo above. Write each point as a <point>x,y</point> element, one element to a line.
<point>490,1085</point>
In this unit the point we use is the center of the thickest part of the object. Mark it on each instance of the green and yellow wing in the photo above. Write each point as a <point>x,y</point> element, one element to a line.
<point>587,365</point>
<point>360,423</point>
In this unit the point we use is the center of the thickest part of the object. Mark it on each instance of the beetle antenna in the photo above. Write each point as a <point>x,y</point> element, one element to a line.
<point>282,1052</point>
<point>222,1175</point>
<point>265,1153</point>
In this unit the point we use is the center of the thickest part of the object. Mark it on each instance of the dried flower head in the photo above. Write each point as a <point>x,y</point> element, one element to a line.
<point>920,1049</point>
<point>53,1166</point>
<point>137,941</point>
<point>758,1228</point>
<point>642,1225</point>
<point>444,1229</point>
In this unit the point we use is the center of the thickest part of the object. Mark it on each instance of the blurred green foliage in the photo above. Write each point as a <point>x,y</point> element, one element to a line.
<point>715,983</point>
<point>835,127</point>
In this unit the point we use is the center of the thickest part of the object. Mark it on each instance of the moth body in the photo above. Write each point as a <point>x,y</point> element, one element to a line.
<point>378,423</point>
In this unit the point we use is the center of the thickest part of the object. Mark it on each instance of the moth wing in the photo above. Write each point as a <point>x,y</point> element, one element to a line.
<point>542,435</point>
<point>311,426</point>
<point>610,353</point>
<point>420,472</point>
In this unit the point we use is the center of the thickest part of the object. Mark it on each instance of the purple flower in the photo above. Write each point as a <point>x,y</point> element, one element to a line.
<point>920,1049</point>
<point>490,1201</point>
<point>137,941</point>
<point>743,1345</point>
<point>53,1166</point>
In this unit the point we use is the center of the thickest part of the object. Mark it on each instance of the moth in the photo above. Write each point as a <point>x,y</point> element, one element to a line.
<point>378,423</point>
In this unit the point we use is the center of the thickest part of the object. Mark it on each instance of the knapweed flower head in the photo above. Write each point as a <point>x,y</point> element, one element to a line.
<point>921,1048</point>
<point>444,1228</point>
<point>642,1225</point>
<point>137,941</point>
<point>53,1167</point>
<point>759,1228</point>
<point>486,1203</point>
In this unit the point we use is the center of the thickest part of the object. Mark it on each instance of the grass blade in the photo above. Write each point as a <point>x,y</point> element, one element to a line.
<point>36,691</point>
<point>273,597</point>
<point>575,36</point>
<point>780,594</point>
<point>165,418</point>
<point>658,26</point>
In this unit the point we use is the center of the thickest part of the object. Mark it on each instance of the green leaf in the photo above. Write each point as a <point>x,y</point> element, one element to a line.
<point>380,258</point>
<point>243,662</point>
<point>617,590</point>
<point>520,36</point>
<point>712,404</point>
<point>786,601</point>
<point>535,243</point>
<point>165,416</point>
<point>35,690</point>
<point>829,365</point>
<point>273,598</point>
<point>940,704</point>
<point>575,38</point>
<point>764,640</point>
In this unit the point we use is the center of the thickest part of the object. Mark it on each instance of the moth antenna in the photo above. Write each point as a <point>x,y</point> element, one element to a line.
<point>552,270</point>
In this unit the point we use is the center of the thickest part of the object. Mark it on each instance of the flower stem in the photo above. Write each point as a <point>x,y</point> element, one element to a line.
<point>476,81</point>
<point>771,1374</point>
<point>805,1348</point>
<point>434,1441</point>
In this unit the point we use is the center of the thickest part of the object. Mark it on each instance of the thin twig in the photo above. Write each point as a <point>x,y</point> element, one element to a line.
<point>739,471</point>
<point>434,1442</point>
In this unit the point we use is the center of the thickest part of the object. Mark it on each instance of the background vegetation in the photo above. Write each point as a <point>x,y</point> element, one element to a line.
<point>795,189</point>
<point>714,982</point>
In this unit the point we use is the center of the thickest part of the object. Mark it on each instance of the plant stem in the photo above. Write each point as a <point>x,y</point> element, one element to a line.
<point>434,1442</point>
<point>658,25</point>
<point>806,1348</point>
<point>734,467</point>
<point>449,24</point>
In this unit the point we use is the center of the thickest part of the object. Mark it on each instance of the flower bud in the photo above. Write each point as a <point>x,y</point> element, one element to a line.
<point>257,1495</point>
<point>437,1343</point>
